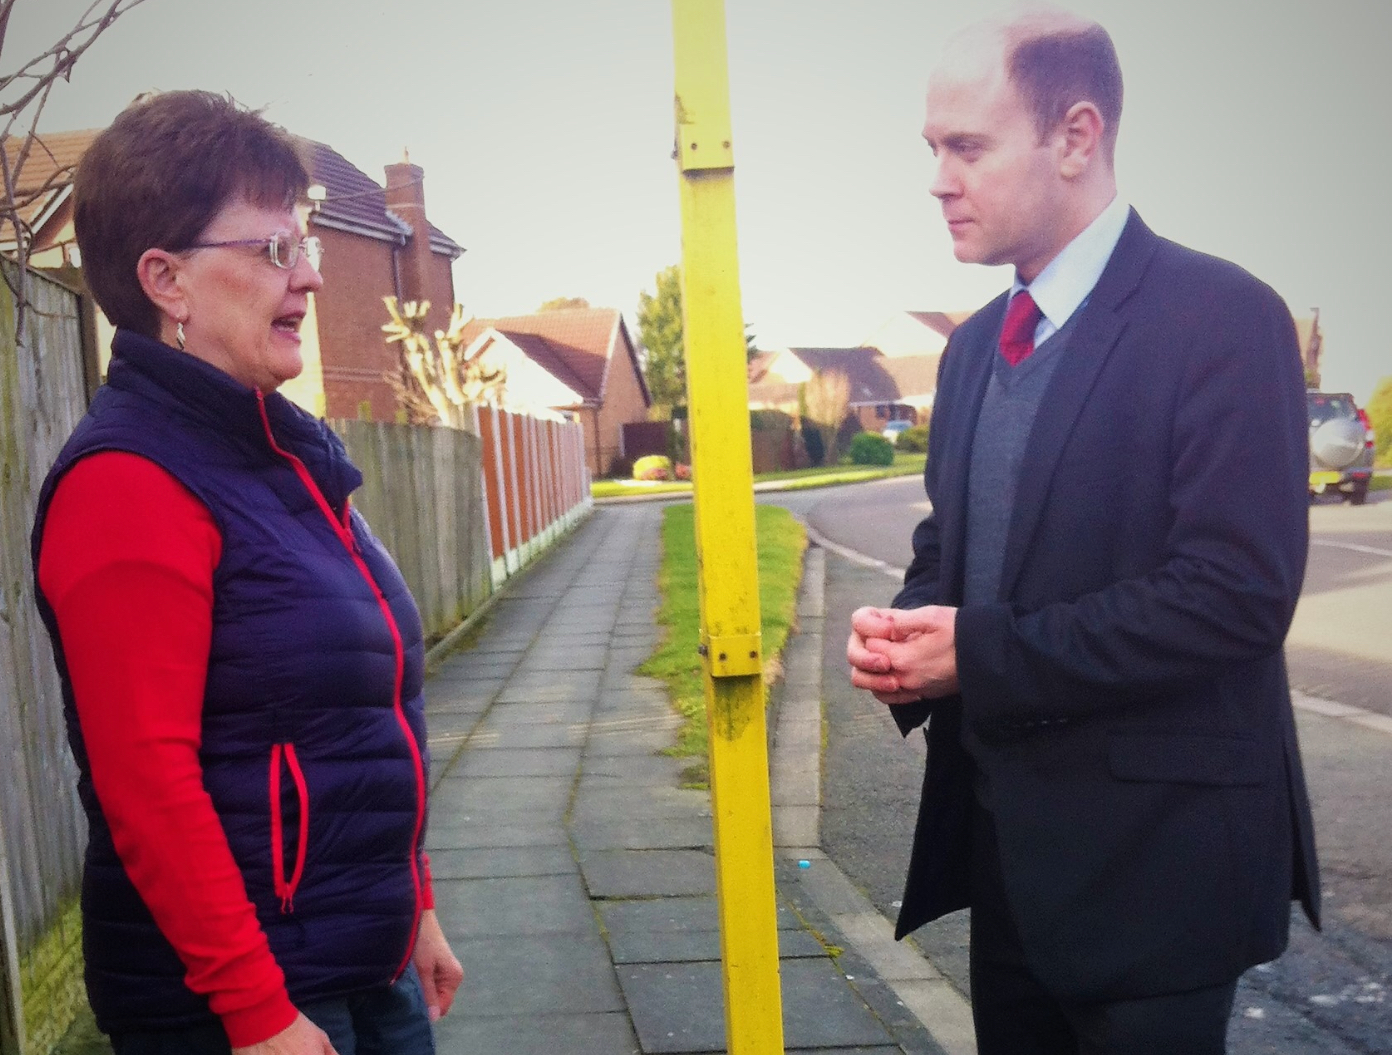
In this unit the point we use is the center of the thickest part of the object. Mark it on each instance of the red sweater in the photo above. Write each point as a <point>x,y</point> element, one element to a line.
<point>127,566</point>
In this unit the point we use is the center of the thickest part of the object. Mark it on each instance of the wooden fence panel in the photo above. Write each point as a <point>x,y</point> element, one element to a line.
<point>421,496</point>
<point>493,481</point>
<point>42,830</point>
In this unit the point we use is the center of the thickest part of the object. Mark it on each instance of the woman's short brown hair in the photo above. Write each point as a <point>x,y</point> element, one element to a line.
<point>158,176</point>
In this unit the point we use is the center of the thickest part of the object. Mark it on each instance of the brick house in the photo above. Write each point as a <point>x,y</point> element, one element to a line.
<point>882,388</point>
<point>580,361</point>
<point>372,248</point>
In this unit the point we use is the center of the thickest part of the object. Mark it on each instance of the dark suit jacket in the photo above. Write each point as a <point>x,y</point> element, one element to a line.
<point>1126,698</point>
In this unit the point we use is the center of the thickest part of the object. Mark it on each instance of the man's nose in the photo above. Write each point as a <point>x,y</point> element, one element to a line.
<point>945,183</point>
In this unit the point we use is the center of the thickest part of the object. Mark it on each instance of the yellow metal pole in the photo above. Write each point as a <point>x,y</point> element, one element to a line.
<point>718,401</point>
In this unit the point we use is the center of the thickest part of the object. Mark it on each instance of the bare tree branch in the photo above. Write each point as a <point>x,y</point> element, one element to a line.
<point>33,81</point>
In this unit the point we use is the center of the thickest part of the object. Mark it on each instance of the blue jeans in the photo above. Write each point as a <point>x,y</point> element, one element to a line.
<point>388,1021</point>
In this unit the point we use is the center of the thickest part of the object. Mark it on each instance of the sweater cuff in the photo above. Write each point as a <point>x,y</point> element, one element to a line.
<point>260,1022</point>
<point>427,884</point>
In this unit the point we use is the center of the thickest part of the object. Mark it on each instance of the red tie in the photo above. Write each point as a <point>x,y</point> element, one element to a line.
<point>1017,335</point>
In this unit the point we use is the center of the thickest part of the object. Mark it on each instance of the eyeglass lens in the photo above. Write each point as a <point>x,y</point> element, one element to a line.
<point>286,248</point>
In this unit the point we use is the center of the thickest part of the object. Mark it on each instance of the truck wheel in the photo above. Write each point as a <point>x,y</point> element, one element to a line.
<point>1359,494</point>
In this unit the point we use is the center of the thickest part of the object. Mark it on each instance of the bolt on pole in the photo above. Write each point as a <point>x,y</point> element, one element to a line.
<point>723,482</point>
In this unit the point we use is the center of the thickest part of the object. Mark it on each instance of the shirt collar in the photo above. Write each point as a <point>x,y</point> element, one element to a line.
<point>1068,279</point>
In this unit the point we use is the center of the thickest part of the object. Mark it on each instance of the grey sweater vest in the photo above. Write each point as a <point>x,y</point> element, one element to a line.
<point>1007,414</point>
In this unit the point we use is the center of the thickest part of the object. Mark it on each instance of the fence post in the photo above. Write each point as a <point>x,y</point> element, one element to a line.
<point>516,486</point>
<point>11,998</point>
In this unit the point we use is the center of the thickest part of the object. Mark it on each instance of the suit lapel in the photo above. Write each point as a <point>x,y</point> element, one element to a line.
<point>978,359</point>
<point>1098,330</point>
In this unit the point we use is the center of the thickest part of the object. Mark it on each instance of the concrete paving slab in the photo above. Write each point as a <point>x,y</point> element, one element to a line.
<point>452,725</point>
<point>565,658</point>
<point>632,770</point>
<point>530,711</point>
<point>512,737</point>
<point>526,762</point>
<point>588,638</point>
<point>629,656</point>
<point>618,680</point>
<point>643,701</point>
<point>495,861</point>
<point>519,691</point>
<point>450,830</point>
<point>613,715</point>
<point>587,605</point>
<point>604,1033</point>
<point>673,915</point>
<point>647,721</point>
<point>512,621</point>
<point>638,947</point>
<point>461,692</point>
<point>481,665</point>
<point>635,634</point>
<point>629,743</point>
<point>621,833</point>
<point>552,974</point>
<point>796,826</point>
<point>648,873</point>
<point>648,802</point>
<point>532,796</point>
<point>515,905</point>
<point>678,1007</point>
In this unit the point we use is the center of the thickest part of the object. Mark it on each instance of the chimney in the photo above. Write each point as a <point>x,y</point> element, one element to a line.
<point>406,200</point>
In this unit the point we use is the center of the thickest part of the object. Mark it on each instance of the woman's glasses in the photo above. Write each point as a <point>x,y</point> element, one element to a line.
<point>283,248</point>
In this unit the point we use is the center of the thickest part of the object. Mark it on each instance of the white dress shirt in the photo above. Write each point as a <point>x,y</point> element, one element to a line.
<point>1062,287</point>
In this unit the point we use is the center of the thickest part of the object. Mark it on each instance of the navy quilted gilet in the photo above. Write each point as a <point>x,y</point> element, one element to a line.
<point>314,749</point>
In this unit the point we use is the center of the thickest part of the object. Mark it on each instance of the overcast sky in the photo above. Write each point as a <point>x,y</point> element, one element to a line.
<point>1254,129</point>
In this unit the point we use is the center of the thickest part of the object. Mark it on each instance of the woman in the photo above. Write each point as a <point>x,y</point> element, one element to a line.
<point>242,662</point>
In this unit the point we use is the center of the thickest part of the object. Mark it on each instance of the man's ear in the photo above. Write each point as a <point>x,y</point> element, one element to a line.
<point>1081,134</point>
<point>158,273</point>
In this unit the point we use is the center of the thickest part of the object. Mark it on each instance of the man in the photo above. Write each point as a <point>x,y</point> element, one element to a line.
<point>1093,619</point>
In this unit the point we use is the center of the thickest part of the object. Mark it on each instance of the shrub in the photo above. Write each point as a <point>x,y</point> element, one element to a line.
<point>913,439</point>
<point>765,420</point>
<point>1379,410</point>
<point>812,443</point>
<point>870,448</point>
<point>653,467</point>
<point>620,468</point>
<point>683,471</point>
<point>849,428</point>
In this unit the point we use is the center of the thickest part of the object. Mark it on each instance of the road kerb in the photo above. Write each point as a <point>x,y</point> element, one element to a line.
<point>795,766</point>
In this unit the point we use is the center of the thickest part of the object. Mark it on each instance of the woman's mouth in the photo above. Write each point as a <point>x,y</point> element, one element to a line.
<point>289,324</point>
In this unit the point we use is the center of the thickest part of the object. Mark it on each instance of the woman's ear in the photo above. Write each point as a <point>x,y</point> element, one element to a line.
<point>158,273</point>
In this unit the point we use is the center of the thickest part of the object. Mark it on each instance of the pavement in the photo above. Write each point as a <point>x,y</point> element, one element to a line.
<point>574,873</point>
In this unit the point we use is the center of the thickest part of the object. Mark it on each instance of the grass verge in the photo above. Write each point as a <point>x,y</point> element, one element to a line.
<point>781,540</point>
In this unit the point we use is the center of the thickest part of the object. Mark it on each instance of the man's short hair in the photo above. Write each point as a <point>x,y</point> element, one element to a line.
<point>1056,67</point>
<point>158,176</point>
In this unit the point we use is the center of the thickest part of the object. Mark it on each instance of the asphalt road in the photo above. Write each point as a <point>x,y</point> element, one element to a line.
<point>1331,994</point>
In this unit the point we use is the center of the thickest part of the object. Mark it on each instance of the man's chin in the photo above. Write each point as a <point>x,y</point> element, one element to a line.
<point>967,253</point>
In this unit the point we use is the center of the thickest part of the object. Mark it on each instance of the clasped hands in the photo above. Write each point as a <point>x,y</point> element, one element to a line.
<point>903,655</point>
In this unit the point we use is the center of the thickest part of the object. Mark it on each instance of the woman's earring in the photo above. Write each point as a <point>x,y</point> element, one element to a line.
<point>179,336</point>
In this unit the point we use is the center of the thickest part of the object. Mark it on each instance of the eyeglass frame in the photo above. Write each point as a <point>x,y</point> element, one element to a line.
<point>310,246</point>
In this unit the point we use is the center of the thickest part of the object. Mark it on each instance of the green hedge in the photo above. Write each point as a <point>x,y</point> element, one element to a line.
<point>870,448</point>
<point>913,439</point>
